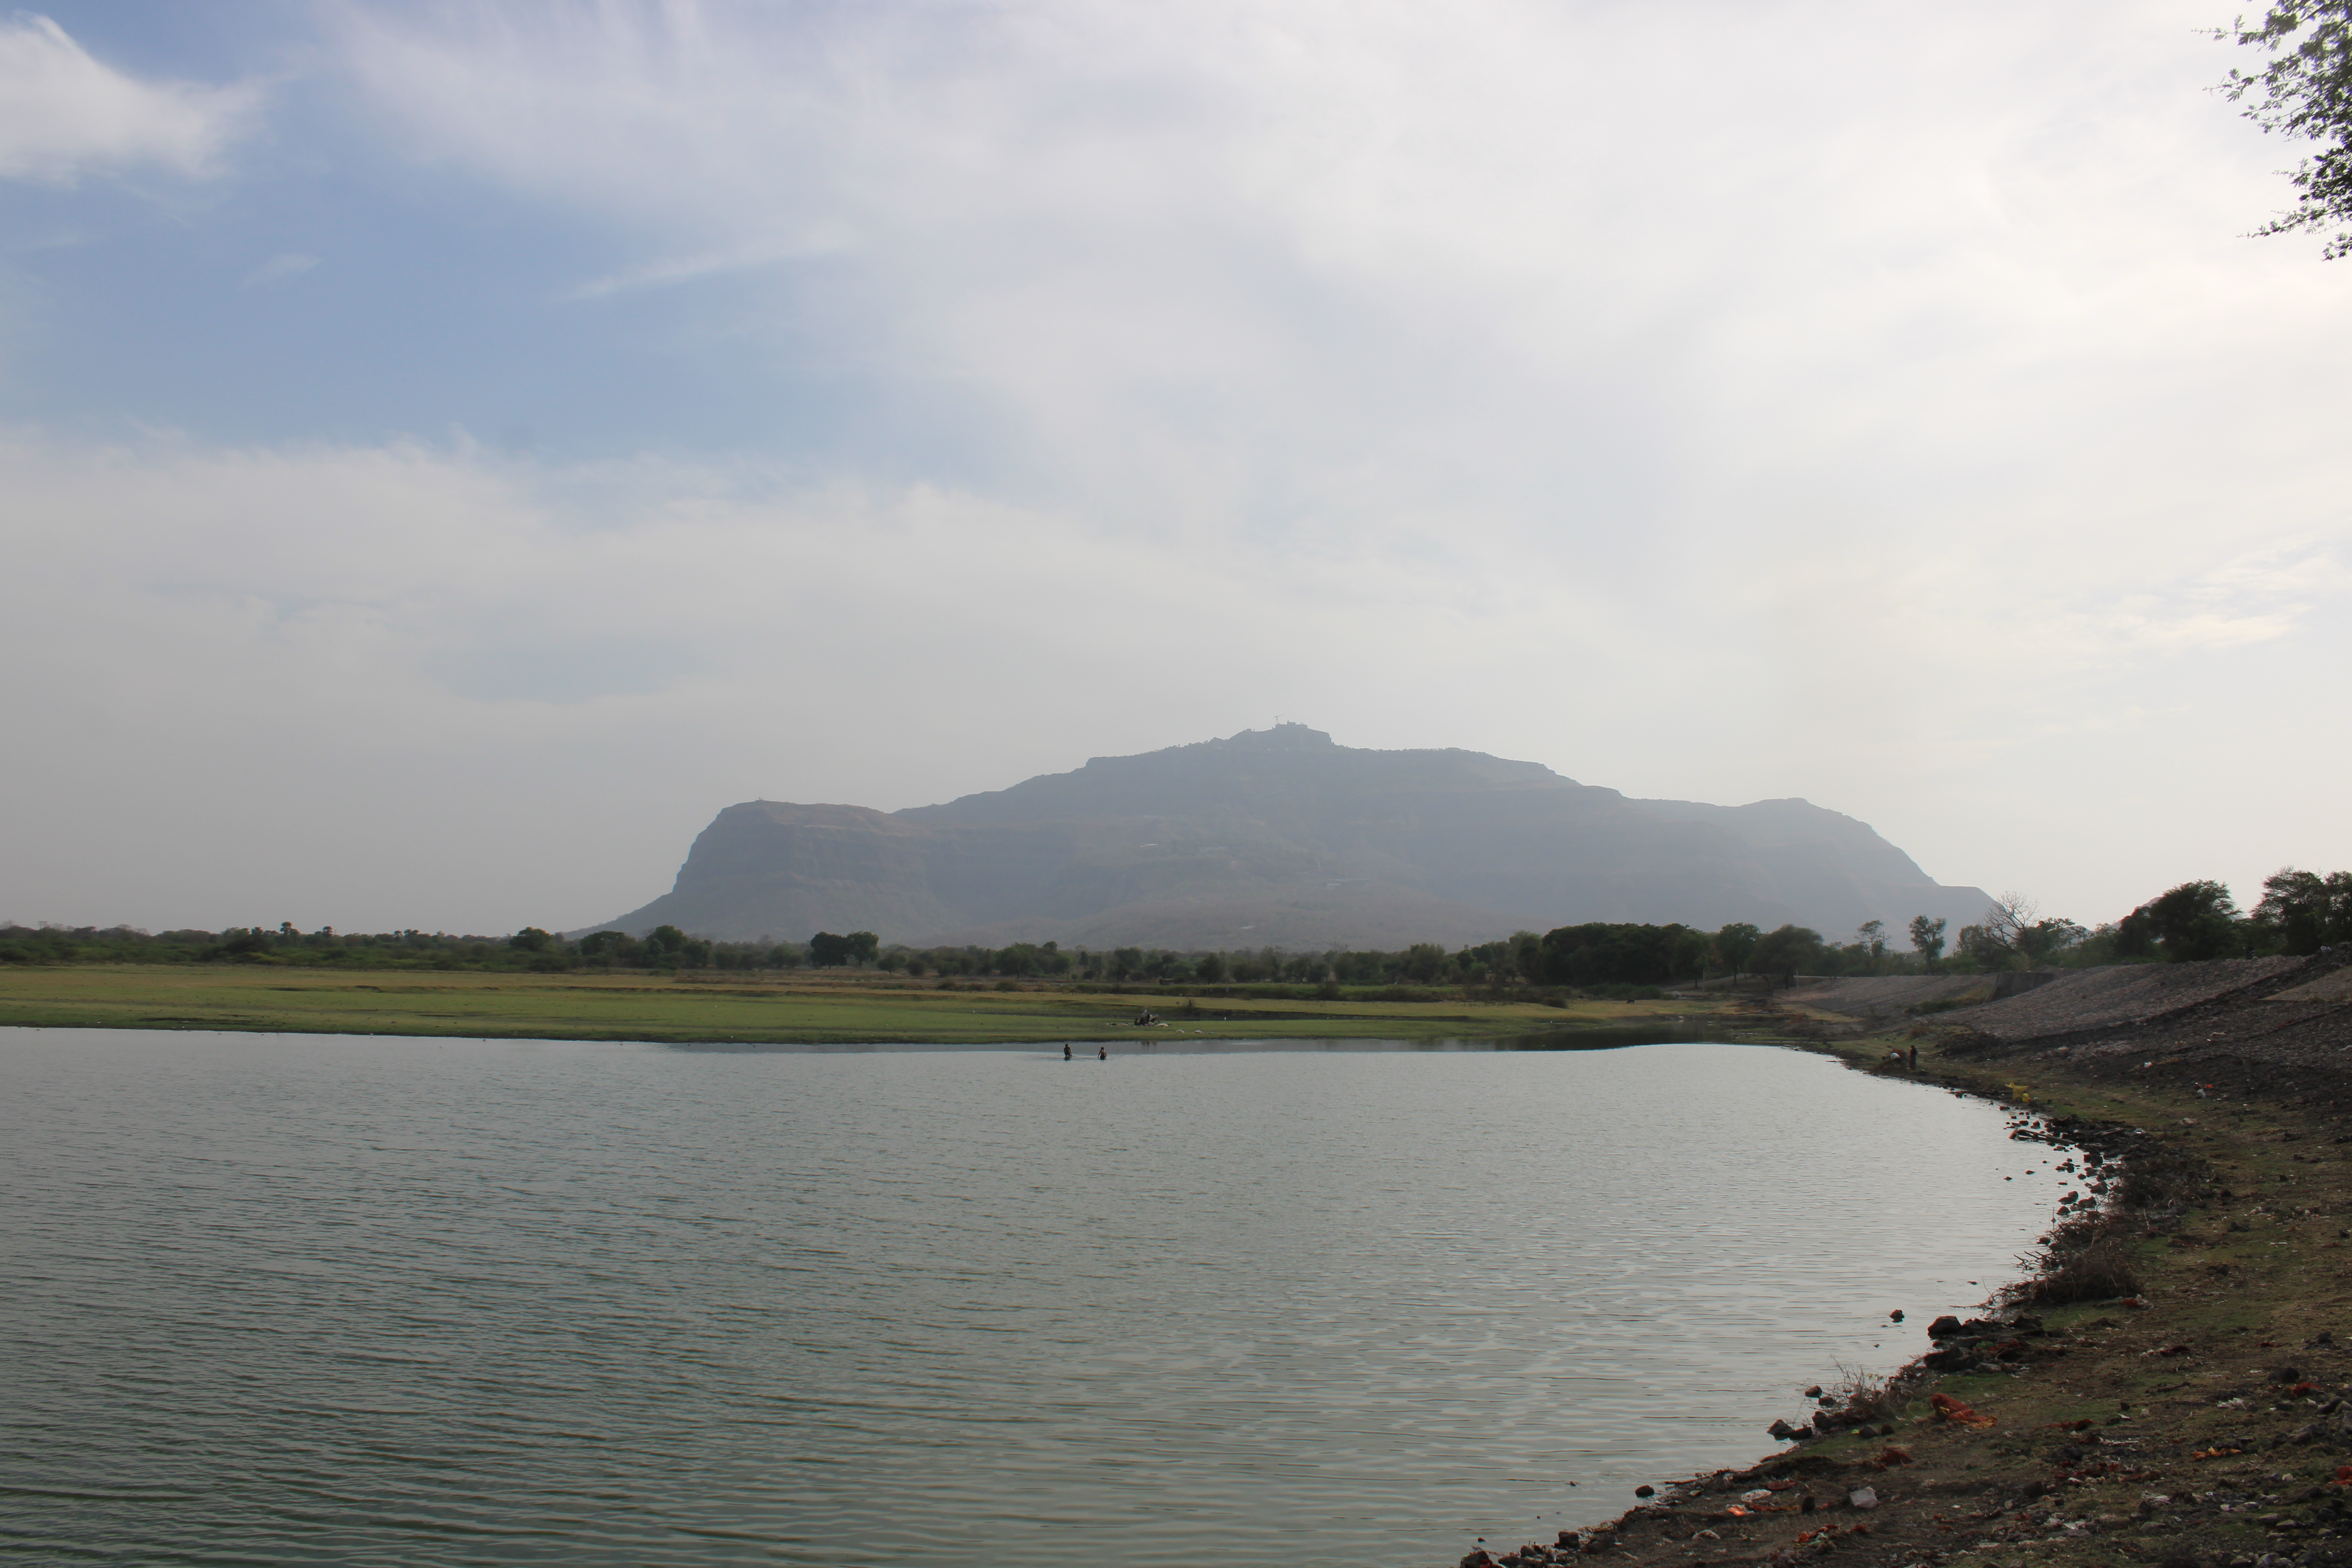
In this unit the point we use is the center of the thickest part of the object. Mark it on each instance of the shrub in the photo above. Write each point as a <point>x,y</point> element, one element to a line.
<point>2082,1260</point>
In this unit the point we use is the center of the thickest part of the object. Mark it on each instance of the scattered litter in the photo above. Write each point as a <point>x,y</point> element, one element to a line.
<point>1951,1409</point>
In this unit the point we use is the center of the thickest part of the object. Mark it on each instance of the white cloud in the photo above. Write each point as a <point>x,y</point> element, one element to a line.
<point>1605,283</point>
<point>384,686</point>
<point>1723,401</point>
<point>65,115</point>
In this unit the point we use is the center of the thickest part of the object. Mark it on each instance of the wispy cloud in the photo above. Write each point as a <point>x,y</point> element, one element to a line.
<point>65,115</point>
<point>750,256</point>
<point>278,269</point>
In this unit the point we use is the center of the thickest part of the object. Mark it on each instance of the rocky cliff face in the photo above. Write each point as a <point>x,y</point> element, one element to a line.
<point>1282,838</point>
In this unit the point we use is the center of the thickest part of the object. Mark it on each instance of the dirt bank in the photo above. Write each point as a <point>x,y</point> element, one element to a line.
<point>2177,1394</point>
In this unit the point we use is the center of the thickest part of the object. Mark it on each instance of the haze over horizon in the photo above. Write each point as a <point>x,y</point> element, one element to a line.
<point>452,451</point>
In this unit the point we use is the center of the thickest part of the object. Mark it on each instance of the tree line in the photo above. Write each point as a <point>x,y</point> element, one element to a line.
<point>2299,912</point>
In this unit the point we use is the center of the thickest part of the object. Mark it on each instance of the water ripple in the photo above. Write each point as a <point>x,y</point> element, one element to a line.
<point>353,1302</point>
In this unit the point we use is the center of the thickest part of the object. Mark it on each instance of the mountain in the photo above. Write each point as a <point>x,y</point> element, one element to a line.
<point>1279,837</point>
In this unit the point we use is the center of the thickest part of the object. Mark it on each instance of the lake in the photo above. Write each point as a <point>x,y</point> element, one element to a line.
<point>335,1299</point>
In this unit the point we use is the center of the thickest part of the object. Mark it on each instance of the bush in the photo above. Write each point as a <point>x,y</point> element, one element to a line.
<point>2083,1261</point>
<point>1868,1398</point>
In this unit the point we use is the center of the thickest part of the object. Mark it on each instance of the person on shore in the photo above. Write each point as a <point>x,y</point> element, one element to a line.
<point>1065,1052</point>
<point>1103,1052</point>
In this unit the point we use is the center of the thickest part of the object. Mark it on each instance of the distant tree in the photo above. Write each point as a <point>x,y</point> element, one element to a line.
<point>2043,942</point>
<point>2009,915</point>
<point>828,949</point>
<point>1791,950</point>
<point>1210,969</point>
<point>1734,944</point>
<point>531,939</point>
<point>245,944</point>
<point>1871,937</point>
<point>2193,922</point>
<point>2302,911</point>
<point>1601,954</point>
<point>1424,962</point>
<point>1927,938</point>
<point>2015,932</point>
<point>1691,949</point>
<point>664,941</point>
<point>863,946</point>
<point>2305,91</point>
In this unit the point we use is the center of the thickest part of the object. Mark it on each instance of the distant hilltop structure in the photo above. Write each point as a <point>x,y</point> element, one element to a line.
<point>1280,837</point>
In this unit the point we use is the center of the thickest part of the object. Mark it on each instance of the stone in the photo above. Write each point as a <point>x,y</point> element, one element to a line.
<point>1943,1328</point>
<point>1862,1497</point>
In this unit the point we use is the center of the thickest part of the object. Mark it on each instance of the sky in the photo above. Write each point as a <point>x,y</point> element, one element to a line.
<point>447,452</point>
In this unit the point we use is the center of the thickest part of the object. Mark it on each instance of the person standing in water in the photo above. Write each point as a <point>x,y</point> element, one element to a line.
<point>1065,1052</point>
<point>1103,1052</point>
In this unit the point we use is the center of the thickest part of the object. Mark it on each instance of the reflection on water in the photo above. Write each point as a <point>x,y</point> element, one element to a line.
<point>1178,1043</point>
<point>1611,1039</point>
<point>307,1300</point>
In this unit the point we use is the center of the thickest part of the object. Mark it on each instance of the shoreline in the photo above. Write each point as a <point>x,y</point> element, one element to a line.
<point>2156,1424</point>
<point>800,1012</point>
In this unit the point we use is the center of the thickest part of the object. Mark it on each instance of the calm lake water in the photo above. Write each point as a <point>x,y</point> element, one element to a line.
<point>295,1299</point>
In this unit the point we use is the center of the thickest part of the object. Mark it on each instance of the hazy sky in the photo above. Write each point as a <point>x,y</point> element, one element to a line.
<point>449,451</point>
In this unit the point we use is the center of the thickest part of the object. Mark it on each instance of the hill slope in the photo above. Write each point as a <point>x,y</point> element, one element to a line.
<point>1280,837</point>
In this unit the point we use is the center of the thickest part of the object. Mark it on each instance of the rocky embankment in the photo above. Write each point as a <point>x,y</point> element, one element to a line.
<point>2277,1027</point>
<point>2166,1385</point>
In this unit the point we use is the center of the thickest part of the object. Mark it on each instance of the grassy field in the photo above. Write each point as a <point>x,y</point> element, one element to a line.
<point>799,1011</point>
